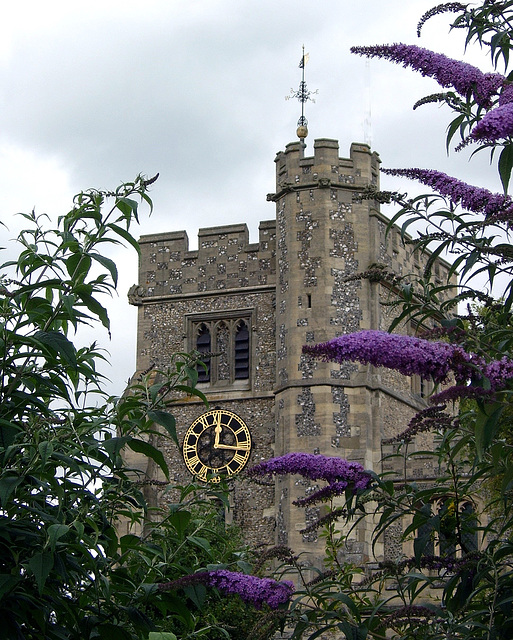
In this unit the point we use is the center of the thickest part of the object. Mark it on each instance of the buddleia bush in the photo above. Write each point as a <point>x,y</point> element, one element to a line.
<point>66,570</point>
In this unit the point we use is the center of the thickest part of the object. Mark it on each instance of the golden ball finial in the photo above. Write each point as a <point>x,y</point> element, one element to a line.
<point>302,131</point>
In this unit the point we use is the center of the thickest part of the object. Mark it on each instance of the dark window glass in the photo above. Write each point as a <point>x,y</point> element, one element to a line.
<point>447,529</point>
<point>469,527</point>
<point>242,352</point>
<point>203,345</point>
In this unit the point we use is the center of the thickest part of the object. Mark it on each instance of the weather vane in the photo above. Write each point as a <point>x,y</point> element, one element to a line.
<point>303,95</point>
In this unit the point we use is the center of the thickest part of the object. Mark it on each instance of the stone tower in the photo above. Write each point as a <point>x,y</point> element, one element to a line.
<point>295,286</point>
<point>322,238</point>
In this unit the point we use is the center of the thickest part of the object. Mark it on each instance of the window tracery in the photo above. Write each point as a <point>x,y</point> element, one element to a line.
<point>225,344</point>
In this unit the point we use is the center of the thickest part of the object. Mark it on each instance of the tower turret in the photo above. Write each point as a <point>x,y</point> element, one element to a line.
<point>323,237</point>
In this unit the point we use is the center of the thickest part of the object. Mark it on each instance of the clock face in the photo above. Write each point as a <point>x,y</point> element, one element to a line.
<point>217,443</point>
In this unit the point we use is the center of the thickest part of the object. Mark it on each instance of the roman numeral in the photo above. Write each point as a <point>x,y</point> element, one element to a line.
<point>204,421</point>
<point>236,463</point>
<point>202,475</point>
<point>194,461</point>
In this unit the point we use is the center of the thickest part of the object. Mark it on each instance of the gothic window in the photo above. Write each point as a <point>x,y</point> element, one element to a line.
<point>450,531</point>
<point>227,341</point>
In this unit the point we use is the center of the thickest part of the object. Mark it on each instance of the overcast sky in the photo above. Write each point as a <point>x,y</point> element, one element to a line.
<point>94,93</point>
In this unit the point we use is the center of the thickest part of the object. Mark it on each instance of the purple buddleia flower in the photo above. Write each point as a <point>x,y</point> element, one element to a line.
<point>327,492</point>
<point>495,125</point>
<point>475,199</point>
<point>460,391</point>
<point>506,95</point>
<point>252,590</point>
<point>463,77</point>
<point>415,356</point>
<point>405,354</point>
<point>315,467</point>
<point>441,8</point>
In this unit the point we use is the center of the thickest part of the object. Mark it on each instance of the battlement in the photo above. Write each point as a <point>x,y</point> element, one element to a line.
<point>325,168</point>
<point>225,259</point>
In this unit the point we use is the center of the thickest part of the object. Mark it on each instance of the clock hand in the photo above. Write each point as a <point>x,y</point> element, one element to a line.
<point>243,447</point>
<point>218,430</point>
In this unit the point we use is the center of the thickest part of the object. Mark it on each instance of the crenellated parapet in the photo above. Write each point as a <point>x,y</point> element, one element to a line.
<point>325,169</point>
<point>224,260</point>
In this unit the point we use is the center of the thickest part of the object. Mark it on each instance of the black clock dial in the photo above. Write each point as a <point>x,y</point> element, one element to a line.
<point>217,443</point>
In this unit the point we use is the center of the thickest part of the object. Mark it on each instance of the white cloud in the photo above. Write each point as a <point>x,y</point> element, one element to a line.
<point>93,93</point>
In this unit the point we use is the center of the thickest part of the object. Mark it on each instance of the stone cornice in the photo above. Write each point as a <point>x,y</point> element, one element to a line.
<point>320,183</point>
<point>328,382</point>
<point>137,298</point>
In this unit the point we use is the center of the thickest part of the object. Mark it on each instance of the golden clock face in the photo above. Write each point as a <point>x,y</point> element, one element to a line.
<point>217,443</point>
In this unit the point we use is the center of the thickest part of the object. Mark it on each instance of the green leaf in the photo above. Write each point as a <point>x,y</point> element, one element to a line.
<point>161,635</point>
<point>128,207</point>
<point>78,265</point>
<point>129,541</point>
<point>110,631</point>
<point>59,343</point>
<point>7,485</point>
<point>180,521</point>
<point>507,480</point>
<point>40,565</point>
<point>45,449</point>
<point>38,307</point>
<point>55,533</point>
<point>169,603</point>
<point>165,420</point>
<point>7,582</point>
<point>126,236</point>
<point>197,593</point>
<point>202,543</point>
<point>453,127</point>
<point>114,445</point>
<point>506,165</point>
<point>68,302</point>
<point>486,426</point>
<point>109,264</point>
<point>95,307</point>
<point>8,432</point>
<point>139,446</point>
<point>139,619</point>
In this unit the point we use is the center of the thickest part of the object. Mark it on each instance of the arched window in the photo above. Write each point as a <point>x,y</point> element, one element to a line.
<point>449,531</point>
<point>225,339</point>
<point>203,345</point>
<point>241,351</point>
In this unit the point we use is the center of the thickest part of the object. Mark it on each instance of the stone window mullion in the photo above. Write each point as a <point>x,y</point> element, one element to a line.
<point>223,349</point>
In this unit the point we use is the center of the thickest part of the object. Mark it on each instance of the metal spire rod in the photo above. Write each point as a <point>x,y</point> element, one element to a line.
<point>303,95</point>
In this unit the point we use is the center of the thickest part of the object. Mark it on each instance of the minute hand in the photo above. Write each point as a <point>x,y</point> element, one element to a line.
<point>244,447</point>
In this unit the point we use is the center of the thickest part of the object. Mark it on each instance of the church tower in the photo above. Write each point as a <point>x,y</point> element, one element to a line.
<point>255,305</point>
